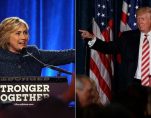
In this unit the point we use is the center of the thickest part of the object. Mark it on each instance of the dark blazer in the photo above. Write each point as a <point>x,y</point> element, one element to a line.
<point>24,65</point>
<point>128,47</point>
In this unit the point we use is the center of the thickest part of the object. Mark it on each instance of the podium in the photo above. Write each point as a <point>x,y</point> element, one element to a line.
<point>25,91</point>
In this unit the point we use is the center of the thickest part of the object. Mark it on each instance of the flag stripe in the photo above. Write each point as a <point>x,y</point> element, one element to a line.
<point>104,100</point>
<point>106,63</point>
<point>101,81</point>
<point>100,65</point>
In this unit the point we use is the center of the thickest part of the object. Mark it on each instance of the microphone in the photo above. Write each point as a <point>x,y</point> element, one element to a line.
<point>60,70</point>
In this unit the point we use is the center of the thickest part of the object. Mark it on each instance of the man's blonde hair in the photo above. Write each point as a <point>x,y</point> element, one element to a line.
<point>143,10</point>
<point>8,26</point>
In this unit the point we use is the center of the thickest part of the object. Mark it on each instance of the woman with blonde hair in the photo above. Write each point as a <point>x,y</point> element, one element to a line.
<point>14,61</point>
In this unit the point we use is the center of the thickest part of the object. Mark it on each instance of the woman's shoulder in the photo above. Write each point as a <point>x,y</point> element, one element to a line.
<point>32,49</point>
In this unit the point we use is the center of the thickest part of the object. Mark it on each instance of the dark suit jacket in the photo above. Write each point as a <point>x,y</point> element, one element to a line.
<point>128,47</point>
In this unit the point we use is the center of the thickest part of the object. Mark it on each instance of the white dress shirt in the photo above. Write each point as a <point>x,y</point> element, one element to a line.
<point>91,43</point>
<point>138,71</point>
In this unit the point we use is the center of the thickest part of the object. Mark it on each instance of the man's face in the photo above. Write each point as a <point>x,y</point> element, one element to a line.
<point>18,39</point>
<point>144,22</point>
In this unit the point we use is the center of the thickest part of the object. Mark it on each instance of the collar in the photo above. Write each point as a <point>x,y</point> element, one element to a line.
<point>148,34</point>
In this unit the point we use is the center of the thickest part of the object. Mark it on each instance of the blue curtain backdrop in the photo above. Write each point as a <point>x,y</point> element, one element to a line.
<point>51,24</point>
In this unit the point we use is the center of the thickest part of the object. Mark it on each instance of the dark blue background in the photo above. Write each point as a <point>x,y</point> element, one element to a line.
<point>51,24</point>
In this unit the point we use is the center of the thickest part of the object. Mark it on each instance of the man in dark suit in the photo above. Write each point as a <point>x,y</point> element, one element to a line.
<point>129,45</point>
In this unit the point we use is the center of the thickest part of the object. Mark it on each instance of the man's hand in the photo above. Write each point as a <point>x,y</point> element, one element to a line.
<point>86,35</point>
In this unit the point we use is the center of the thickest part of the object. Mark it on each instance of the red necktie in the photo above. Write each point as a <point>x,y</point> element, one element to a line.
<point>145,62</point>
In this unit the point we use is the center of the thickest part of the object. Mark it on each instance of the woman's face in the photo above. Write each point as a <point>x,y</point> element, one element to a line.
<point>18,39</point>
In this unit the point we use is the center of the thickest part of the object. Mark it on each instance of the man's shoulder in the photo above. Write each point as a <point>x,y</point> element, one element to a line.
<point>131,32</point>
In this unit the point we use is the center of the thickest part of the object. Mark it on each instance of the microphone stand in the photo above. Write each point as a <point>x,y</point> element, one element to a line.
<point>60,70</point>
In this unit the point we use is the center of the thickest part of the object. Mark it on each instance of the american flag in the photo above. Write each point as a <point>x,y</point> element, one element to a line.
<point>101,65</point>
<point>128,18</point>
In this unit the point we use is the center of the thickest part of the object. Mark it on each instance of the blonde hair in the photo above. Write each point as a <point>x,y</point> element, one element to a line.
<point>80,86</point>
<point>143,10</point>
<point>8,26</point>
